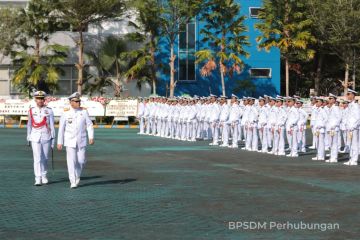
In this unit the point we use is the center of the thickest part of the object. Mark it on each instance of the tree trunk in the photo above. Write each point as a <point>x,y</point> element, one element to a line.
<point>346,80</point>
<point>117,84</point>
<point>172,71</point>
<point>37,62</point>
<point>318,74</point>
<point>80,64</point>
<point>222,69</point>
<point>153,66</point>
<point>37,50</point>
<point>222,79</point>
<point>354,70</point>
<point>287,76</point>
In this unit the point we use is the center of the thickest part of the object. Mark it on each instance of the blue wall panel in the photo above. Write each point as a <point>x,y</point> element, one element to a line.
<point>202,86</point>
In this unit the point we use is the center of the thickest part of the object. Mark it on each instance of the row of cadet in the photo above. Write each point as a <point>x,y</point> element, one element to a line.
<point>263,124</point>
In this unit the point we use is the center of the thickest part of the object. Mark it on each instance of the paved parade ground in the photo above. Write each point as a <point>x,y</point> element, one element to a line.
<point>142,187</point>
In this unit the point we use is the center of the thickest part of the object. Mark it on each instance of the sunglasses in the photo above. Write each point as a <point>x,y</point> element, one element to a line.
<point>77,101</point>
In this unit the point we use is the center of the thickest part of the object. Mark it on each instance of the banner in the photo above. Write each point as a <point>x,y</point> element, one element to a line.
<point>21,107</point>
<point>124,108</point>
<point>14,107</point>
<point>95,109</point>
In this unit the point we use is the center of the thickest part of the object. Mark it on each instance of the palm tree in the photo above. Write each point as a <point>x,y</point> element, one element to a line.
<point>147,26</point>
<point>224,29</point>
<point>111,58</point>
<point>81,13</point>
<point>39,70</point>
<point>285,26</point>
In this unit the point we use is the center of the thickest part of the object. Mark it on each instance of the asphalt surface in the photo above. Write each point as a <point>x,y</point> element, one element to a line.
<point>142,187</point>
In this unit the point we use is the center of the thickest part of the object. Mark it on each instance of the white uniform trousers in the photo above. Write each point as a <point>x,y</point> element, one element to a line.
<point>301,138</point>
<point>158,126</point>
<point>183,130</point>
<point>252,138</point>
<point>75,158</point>
<point>263,134</point>
<point>207,131</point>
<point>239,135</point>
<point>270,137</point>
<point>333,144</point>
<point>215,132</point>
<point>293,142</point>
<point>320,143</point>
<point>279,141</point>
<point>153,126</point>
<point>354,145</point>
<point>313,130</point>
<point>346,140</point>
<point>234,127</point>
<point>142,125</point>
<point>148,125</point>
<point>225,133</point>
<point>327,141</point>
<point>245,132</point>
<point>41,156</point>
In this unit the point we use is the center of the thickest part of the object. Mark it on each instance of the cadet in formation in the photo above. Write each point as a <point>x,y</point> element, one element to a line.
<point>265,125</point>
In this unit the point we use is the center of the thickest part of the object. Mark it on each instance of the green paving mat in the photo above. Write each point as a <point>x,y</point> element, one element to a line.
<point>141,187</point>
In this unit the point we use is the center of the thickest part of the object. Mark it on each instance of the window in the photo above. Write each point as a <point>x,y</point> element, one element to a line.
<point>260,72</point>
<point>187,48</point>
<point>254,12</point>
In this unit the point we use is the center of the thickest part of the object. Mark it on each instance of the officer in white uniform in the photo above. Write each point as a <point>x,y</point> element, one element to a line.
<point>314,110</point>
<point>319,127</point>
<point>234,120</point>
<point>352,123</point>
<point>262,125</point>
<point>333,128</point>
<point>74,123</point>
<point>292,127</point>
<point>41,134</point>
<point>140,116</point>
<point>303,117</point>
<point>214,115</point>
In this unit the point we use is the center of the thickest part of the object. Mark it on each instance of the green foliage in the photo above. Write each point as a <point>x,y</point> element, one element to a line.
<point>80,13</point>
<point>224,30</point>
<point>285,25</point>
<point>30,73</point>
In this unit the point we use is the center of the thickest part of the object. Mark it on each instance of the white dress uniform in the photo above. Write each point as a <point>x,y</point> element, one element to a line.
<point>301,136</point>
<point>292,129</point>
<point>140,116</point>
<point>271,125</point>
<point>279,132</point>
<point>214,114</point>
<point>332,129</point>
<point>73,126</point>
<point>234,119</point>
<point>146,118</point>
<point>343,129</point>
<point>191,123</point>
<point>244,121</point>
<point>314,111</point>
<point>262,126</point>
<point>319,127</point>
<point>224,127</point>
<point>252,141</point>
<point>41,134</point>
<point>352,123</point>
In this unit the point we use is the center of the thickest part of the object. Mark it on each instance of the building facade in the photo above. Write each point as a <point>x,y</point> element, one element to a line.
<point>261,74</point>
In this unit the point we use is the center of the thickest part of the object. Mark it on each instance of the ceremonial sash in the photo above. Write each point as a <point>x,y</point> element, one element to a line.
<point>35,124</point>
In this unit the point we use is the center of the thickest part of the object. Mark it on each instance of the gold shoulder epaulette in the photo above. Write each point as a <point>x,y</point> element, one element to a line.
<point>66,109</point>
